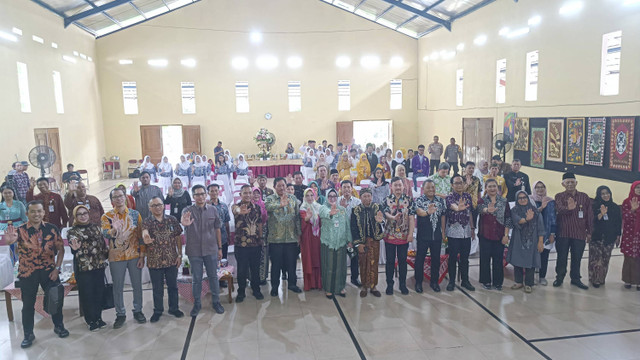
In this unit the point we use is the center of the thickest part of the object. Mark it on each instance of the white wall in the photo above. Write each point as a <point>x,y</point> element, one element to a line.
<point>569,71</point>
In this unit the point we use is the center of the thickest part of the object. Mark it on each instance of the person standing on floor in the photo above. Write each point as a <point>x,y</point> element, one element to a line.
<point>399,211</point>
<point>460,231</point>
<point>473,187</point>
<point>494,224</point>
<point>527,241</point>
<point>335,237</point>
<point>298,186</point>
<point>516,180</point>
<point>453,155</point>
<point>420,166</point>
<point>435,152</point>
<point>284,234</point>
<point>54,210</point>
<point>630,245</point>
<point>166,173</point>
<point>379,186</point>
<point>21,182</point>
<point>248,243</point>
<point>575,225</point>
<point>430,210</point>
<point>366,232</point>
<point>310,241</point>
<point>204,247</point>
<point>348,201</point>
<point>123,228</point>
<point>607,228</point>
<point>77,195</point>
<point>256,199</point>
<point>398,160</point>
<point>145,192</point>
<point>38,243</point>
<point>161,235</point>
<point>90,254</point>
<point>547,207</point>
<point>371,157</point>
<point>262,185</point>
<point>225,218</point>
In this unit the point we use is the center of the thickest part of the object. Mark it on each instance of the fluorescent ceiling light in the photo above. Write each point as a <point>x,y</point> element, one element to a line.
<point>54,45</point>
<point>188,62</point>
<point>343,62</point>
<point>369,61</point>
<point>37,39</point>
<point>571,8</point>
<point>267,62</point>
<point>255,37</point>
<point>518,32</point>
<point>387,23</point>
<point>4,35</point>
<point>406,31</point>
<point>480,40</point>
<point>16,31</point>
<point>239,63</point>
<point>365,14</point>
<point>158,62</point>
<point>535,20</point>
<point>125,62</point>
<point>504,31</point>
<point>294,62</point>
<point>460,47</point>
<point>69,58</point>
<point>396,61</point>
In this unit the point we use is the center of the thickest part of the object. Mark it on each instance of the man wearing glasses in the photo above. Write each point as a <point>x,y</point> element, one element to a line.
<point>460,230</point>
<point>204,246</point>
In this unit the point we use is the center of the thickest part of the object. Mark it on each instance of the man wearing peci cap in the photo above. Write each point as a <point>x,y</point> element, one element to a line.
<point>575,223</point>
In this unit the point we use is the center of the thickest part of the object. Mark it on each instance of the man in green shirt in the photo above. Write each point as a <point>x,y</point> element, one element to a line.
<point>442,180</point>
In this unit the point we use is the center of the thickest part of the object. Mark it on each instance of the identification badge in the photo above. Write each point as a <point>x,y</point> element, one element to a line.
<point>88,206</point>
<point>580,214</point>
<point>52,208</point>
<point>336,224</point>
<point>175,210</point>
<point>605,217</point>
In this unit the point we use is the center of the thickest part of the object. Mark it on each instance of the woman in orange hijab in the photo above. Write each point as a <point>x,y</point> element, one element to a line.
<point>364,170</point>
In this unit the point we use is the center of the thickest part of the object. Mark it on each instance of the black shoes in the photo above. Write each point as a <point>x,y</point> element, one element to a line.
<point>218,307</point>
<point>94,326</point>
<point>356,282</point>
<point>295,289</point>
<point>61,331</point>
<point>176,313</point>
<point>404,290</point>
<point>579,284</point>
<point>557,283</point>
<point>139,316</point>
<point>451,286</point>
<point>274,292</point>
<point>486,286</point>
<point>435,287</point>
<point>240,297</point>
<point>596,285</point>
<point>195,310</point>
<point>102,324</point>
<point>498,287</point>
<point>28,341</point>
<point>419,288</point>
<point>258,295</point>
<point>467,285</point>
<point>119,322</point>
<point>389,290</point>
<point>155,317</point>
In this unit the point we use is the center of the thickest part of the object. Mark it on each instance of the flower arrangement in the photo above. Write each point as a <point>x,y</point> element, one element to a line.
<point>264,140</point>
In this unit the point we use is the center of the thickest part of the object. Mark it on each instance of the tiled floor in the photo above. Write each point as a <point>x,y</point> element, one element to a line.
<point>497,325</point>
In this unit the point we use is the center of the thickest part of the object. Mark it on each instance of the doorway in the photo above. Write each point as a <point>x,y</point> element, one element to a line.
<point>476,139</point>
<point>373,131</point>
<point>51,137</point>
<point>169,140</point>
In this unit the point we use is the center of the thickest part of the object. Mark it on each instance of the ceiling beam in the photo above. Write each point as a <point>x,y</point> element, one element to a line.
<point>358,6</point>
<point>471,9</point>
<point>96,10</point>
<point>433,5</point>
<point>424,14</point>
<point>48,7</point>
<point>384,12</point>
<point>407,21</point>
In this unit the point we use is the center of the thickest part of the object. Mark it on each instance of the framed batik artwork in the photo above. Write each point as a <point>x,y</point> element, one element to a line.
<point>621,143</point>
<point>575,141</point>
<point>596,130</point>
<point>521,135</point>
<point>555,141</point>
<point>509,124</point>
<point>538,146</point>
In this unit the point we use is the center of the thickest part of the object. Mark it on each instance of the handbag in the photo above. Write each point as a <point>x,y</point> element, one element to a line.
<point>107,296</point>
<point>53,299</point>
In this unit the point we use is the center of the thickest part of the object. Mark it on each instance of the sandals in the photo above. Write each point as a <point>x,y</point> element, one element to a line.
<point>528,289</point>
<point>516,286</point>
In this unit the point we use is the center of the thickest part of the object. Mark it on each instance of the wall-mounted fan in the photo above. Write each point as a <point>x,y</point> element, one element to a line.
<point>502,144</point>
<point>42,157</point>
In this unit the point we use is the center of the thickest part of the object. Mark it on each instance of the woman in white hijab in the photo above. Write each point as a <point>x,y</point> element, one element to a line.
<point>224,173</point>
<point>148,166</point>
<point>183,171</point>
<point>328,158</point>
<point>242,170</point>
<point>398,160</point>
<point>199,172</point>
<point>166,172</point>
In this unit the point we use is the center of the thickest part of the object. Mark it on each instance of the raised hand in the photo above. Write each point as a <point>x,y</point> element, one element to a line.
<point>170,192</point>
<point>379,217</point>
<point>11,235</point>
<point>421,212</point>
<point>136,187</point>
<point>32,183</point>
<point>603,210</point>
<point>462,205</point>
<point>334,210</point>
<point>146,238</point>
<point>380,181</point>
<point>530,214</point>
<point>492,207</point>
<point>284,201</point>
<point>289,179</point>
<point>116,227</point>
<point>74,244</point>
<point>343,202</point>
<point>571,203</point>
<point>518,182</point>
<point>432,209</point>
<point>186,219</point>
<point>635,204</point>
<point>243,209</point>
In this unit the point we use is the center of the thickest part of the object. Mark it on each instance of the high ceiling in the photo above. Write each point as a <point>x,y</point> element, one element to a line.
<point>414,18</point>
<point>103,17</point>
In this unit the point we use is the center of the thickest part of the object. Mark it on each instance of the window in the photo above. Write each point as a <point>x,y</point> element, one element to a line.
<point>242,96</point>
<point>396,94</point>
<point>501,81</point>
<point>57,92</point>
<point>295,96</point>
<point>23,88</point>
<point>459,86</point>
<point>344,95</point>
<point>610,66</point>
<point>188,91</point>
<point>531,78</point>
<point>130,97</point>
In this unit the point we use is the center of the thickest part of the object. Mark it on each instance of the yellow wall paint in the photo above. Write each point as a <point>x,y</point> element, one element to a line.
<point>205,31</point>
<point>569,72</point>
<point>81,125</point>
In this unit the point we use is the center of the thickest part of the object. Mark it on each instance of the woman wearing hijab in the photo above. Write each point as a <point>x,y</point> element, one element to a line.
<point>309,160</point>
<point>363,169</point>
<point>547,207</point>
<point>407,184</point>
<point>328,157</point>
<point>335,237</point>
<point>481,170</point>
<point>386,166</point>
<point>310,241</point>
<point>607,229</point>
<point>90,254</point>
<point>148,167</point>
<point>183,171</point>
<point>264,256</point>
<point>131,201</point>
<point>210,166</point>
<point>320,199</point>
<point>166,172</point>
<point>12,213</point>
<point>494,224</point>
<point>630,245</point>
<point>344,166</point>
<point>177,198</point>
<point>199,172</point>
<point>527,241</point>
<point>242,169</point>
<point>379,186</point>
<point>398,160</point>
<point>225,174</point>
<point>321,161</point>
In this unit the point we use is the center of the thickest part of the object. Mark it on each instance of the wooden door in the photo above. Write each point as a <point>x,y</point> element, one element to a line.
<point>477,134</point>
<point>344,132</point>
<point>191,139</point>
<point>51,138</point>
<point>151,140</point>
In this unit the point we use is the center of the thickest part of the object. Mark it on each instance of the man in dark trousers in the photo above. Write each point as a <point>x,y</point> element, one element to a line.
<point>371,157</point>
